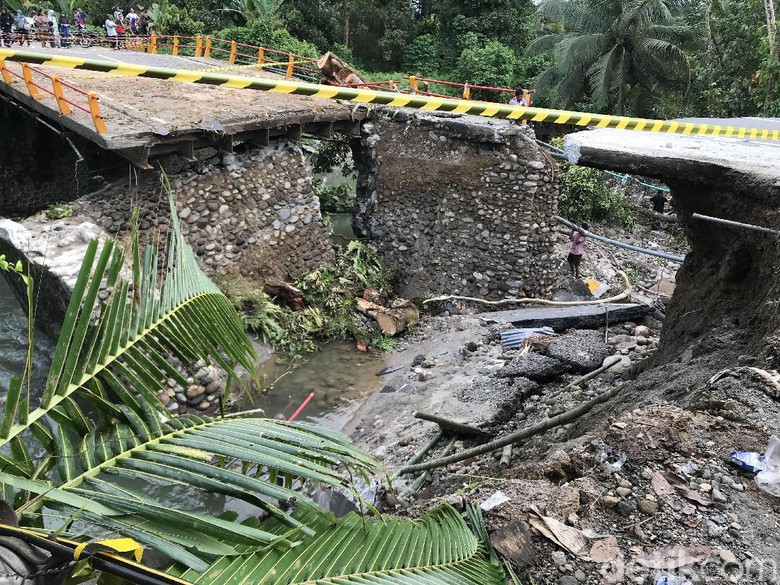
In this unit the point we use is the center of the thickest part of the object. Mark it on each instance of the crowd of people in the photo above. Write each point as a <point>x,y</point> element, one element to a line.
<point>59,29</point>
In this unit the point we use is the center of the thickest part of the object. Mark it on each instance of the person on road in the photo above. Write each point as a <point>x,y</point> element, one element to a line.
<point>54,27</point>
<point>111,32</point>
<point>519,98</point>
<point>132,21</point>
<point>64,26</point>
<point>6,25</point>
<point>21,27</point>
<point>576,251</point>
<point>42,29</point>
<point>143,23</point>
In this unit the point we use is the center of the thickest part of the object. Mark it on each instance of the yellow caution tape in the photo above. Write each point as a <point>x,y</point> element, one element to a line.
<point>366,96</point>
<point>253,66</point>
<point>120,545</point>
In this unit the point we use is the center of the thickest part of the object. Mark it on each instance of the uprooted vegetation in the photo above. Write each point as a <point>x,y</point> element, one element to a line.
<point>320,305</point>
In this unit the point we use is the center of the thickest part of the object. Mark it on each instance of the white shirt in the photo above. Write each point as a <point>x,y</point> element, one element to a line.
<point>110,28</point>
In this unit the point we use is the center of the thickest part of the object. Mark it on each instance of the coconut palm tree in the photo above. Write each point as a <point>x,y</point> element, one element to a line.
<point>614,53</point>
<point>74,455</point>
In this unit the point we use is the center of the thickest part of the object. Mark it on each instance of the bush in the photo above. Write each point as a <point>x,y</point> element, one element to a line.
<point>330,313</point>
<point>586,197</point>
<point>264,33</point>
<point>492,64</point>
<point>420,56</point>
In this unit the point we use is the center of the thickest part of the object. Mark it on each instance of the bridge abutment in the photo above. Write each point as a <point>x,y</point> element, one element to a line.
<point>249,215</point>
<point>463,204</point>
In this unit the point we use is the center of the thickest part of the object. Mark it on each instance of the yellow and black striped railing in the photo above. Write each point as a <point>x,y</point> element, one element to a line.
<point>366,96</point>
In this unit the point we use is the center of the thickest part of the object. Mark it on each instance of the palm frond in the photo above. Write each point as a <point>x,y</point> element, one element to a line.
<point>99,423</point>
<point>190,451</point>
<point>605,76</point>
<point>662,60</point>
<point>438,548</point>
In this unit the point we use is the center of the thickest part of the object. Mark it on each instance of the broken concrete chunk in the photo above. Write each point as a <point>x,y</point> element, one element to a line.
<point>583,351</point>
<point>536,367</point>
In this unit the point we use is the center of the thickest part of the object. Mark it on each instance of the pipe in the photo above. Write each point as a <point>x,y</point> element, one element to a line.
<point>420,481</point>
<point>506,456</point>
<point>423,451</point>
<point>736,224</point>
<point>663,255</point>
<point>301,407</point>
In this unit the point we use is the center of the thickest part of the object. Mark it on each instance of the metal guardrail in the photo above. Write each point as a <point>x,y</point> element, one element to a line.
<point>31,76</point>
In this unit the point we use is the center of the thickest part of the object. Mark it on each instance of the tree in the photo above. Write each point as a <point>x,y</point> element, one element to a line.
<point>614,53</point>
<point>98,422</point>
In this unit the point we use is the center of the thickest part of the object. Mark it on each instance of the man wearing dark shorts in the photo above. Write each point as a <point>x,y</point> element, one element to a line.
<point>576,251</point>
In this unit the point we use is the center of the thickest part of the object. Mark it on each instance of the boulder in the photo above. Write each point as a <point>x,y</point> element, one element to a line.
<point>534,366</point>
<point>582,350</point>
<point>52,252</point>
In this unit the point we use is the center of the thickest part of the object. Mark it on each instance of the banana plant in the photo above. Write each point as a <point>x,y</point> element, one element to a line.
<point>66,456</point>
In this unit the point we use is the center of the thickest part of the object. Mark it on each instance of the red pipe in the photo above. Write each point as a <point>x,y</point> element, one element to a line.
<point>301,407</point>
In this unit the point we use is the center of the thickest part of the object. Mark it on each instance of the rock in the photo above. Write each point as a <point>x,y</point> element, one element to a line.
<point>196,400</point>
<point>610,501</point>
<point>624,508</point>
<point>719,496</point>
<point>173,407</point>
<point>533,366</point>
<point>558,557</point>
<point>582,350</point>
<point>648,507</point>
<point>623,492</point>
<point>164,398</point>
<point>55,273</point>
<point>213,387</point>
<point>642,331</point>
<point>194,391</point>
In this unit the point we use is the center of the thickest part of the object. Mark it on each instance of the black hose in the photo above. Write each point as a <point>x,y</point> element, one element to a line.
<point>114,566</point>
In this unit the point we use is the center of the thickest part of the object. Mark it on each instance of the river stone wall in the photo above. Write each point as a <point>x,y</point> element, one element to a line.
<point>463,204</point>
<point>250,216</point>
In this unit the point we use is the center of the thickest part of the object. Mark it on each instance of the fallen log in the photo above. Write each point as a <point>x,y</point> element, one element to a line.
<point>391,320</point>
<point>445,424</point>
<point>336,71</point>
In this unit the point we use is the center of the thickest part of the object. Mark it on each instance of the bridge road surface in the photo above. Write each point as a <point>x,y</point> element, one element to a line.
<point>148,116</point>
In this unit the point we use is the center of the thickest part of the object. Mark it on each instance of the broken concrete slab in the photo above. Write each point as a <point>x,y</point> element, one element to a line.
<point>568,317</point>
<point>583,350</point>
<point>534,366</point>
<point>488,403</point>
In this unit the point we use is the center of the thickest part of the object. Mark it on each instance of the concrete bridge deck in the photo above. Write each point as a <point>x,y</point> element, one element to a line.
<point>148,117</point>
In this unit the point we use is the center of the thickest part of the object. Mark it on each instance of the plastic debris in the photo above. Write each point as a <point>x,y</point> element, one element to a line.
<point>620,462</point>
<point>494,501</point>
<point>748,460</point>
<point>689,468</point>
<point>671,580</point>
<point>514,338</point>
<point>768,479</point>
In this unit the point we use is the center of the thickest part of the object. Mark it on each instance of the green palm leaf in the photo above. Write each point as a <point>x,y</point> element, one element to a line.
<point>99,424</point>
<point>438,548</point>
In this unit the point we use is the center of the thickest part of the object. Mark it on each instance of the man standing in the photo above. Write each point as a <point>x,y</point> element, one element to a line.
<point>111,32</point>
<point>6,22</point>
<point>576,251</point>
<point>132,21</point>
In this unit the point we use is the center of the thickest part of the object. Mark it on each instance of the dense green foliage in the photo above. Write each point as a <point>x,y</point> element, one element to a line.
<point>658,58</point>
<point>586,196</point>
<point>329,294</point>
<point>611,52</point>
